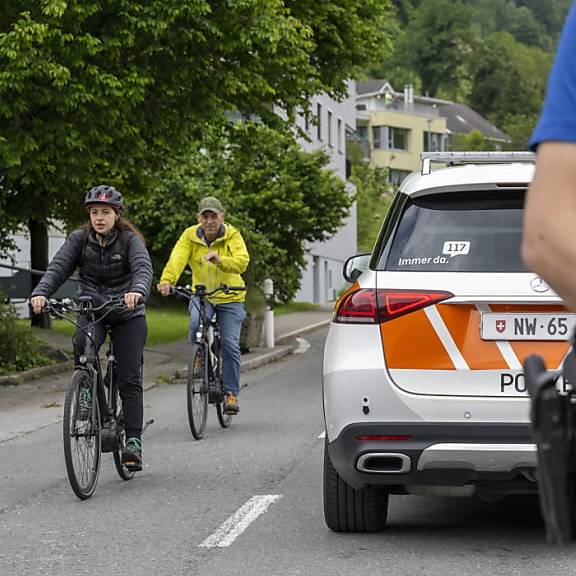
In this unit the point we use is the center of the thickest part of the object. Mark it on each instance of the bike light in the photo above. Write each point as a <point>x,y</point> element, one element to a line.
<point>82,359</point>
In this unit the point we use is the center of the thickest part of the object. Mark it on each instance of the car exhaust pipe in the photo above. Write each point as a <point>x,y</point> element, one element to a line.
<point>384,463</point>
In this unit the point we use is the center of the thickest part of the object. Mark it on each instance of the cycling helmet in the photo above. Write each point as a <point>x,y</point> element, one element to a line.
<point>104,195</point>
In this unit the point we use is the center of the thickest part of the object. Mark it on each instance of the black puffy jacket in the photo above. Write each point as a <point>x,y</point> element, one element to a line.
<point>123,265</point>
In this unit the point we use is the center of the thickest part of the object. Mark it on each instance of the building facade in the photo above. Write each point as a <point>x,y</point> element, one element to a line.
<point>333,122</point>
<point>394,128</point>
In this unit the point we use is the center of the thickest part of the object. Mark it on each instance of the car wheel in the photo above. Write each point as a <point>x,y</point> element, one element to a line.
<point>348,509</point>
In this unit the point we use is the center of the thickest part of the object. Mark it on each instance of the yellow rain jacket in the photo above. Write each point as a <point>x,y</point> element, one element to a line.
<point>191,249</point>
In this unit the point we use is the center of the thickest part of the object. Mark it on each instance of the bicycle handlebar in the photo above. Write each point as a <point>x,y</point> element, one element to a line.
<point>56,307</point>
<point>200,290</point>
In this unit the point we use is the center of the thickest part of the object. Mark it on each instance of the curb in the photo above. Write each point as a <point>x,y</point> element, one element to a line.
<point>34,373</point>
<point>302,331</point>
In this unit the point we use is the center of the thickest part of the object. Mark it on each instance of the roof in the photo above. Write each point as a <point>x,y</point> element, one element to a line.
<point>460,119</point>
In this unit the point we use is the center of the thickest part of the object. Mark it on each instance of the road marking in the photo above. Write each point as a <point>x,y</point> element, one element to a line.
<point>239,521</point>
<point>303,346</point>
<point>323,435</point>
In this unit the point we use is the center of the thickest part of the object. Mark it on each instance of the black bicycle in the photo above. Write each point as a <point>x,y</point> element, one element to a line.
<point>204,381</point>
<point>93,420</point>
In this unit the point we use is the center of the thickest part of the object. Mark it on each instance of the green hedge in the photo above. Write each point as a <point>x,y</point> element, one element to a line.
<point>20,349</point>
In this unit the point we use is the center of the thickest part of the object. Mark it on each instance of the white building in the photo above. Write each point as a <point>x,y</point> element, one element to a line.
<point>322,280</point>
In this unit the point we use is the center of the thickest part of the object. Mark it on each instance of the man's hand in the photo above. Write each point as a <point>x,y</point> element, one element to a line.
<point>38,303</point>
<point>131,299</point>
<point>164,288</point>
<point>213,257</point>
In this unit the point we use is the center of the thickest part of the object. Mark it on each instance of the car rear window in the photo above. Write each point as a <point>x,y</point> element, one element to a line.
<point>459,232</point>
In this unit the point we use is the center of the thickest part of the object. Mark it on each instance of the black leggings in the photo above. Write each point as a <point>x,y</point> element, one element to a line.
<point>129,337</point>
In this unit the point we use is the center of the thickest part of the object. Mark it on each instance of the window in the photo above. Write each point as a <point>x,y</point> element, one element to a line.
<point>377,140</point>
<point>397,138</point>
<point>485,227</point>
<point>319,121</point>
<point>390,138</point>
<point>339,134</point>
<point>437,142</point>
<point>329,126</point>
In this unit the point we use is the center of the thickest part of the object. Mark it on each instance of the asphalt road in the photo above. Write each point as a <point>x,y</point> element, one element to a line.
<point>244,501</point>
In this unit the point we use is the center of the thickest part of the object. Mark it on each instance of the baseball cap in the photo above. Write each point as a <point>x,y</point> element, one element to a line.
<point>210,203</point>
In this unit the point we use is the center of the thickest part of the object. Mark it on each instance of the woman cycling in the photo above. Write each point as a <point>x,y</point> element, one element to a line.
<point>112,260</point>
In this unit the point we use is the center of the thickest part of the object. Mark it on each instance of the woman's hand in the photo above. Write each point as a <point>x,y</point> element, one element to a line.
<point>38,303</point>
<point>131,299</point>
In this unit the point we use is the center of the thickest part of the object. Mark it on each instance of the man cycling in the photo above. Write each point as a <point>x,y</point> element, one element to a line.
<point>216,254</point>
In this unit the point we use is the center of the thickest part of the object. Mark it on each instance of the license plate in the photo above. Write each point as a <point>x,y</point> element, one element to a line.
<point>496,326</point>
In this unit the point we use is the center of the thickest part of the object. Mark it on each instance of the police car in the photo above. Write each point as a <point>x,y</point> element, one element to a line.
<point>423,386</point>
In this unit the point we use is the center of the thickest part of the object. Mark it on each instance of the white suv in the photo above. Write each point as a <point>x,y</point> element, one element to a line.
<point>423,386</point>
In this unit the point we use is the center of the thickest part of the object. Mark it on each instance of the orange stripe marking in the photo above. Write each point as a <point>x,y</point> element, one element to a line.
<point>463,323</point>
<point>411,342</point>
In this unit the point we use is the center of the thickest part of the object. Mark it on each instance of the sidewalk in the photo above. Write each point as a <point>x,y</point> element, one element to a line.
<point>166,362</point>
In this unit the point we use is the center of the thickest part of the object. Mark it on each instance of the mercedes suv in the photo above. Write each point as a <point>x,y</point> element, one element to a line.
<point>423,387</point>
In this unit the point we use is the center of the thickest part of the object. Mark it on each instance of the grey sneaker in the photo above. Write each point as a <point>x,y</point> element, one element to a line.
<point>132,455</point>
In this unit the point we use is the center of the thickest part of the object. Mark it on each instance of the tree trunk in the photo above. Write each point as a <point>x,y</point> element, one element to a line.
<point>39,261</point>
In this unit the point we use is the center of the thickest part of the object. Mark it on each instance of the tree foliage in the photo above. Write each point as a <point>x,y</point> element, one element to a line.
<point>279,196</point>
<point>373,198</point>
<point>94,90</point>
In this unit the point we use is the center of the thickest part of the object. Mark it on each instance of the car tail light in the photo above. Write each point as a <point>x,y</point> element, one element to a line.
<point>357,307</point>
<point>369,306</point>
<point>395,303</point>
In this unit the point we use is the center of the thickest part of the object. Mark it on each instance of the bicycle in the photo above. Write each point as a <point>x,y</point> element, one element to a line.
<point>204,380</point>
<point>96,425</point>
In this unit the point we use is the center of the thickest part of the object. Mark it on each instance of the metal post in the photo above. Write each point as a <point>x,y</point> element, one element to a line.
<point>269,315</point>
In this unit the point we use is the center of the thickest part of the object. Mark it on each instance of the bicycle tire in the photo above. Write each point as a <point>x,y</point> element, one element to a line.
<point>123,472</point>
<point>81,438</point>
<point>197,391</point>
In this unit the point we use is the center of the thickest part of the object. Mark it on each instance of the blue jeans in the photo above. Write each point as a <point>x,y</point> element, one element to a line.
<point>230,318</point>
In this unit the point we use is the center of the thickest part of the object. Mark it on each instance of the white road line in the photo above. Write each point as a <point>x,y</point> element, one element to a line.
<point>303,346</point>
<point>239,521</point>
<point>323,435</point>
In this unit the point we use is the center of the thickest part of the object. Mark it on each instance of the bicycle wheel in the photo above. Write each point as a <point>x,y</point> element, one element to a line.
<point>81,436</point>
<point>197,391</point>
<point>123,472</point>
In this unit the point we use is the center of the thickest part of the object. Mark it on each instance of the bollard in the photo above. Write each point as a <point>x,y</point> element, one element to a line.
<point>269,315</point>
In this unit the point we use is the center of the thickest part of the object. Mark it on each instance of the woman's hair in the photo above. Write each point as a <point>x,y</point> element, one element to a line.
<point>125,224</point>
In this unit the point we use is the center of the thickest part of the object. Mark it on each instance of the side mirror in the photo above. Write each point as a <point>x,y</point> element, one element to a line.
<point>355,266</point>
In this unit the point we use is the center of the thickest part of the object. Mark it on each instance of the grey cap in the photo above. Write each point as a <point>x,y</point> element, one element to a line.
<point>210,203</point>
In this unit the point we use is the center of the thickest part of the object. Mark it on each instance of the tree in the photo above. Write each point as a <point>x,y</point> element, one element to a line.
<point>508,78</point>
<point>279,196</point>
<point>107,90</point>
<point>438,45</point>
<point>373,198</point>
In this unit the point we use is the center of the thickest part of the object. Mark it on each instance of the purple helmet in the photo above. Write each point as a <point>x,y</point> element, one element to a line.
<point>104,195</point>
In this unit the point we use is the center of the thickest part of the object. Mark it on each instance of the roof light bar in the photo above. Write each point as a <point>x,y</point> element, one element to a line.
<point>456,158</point>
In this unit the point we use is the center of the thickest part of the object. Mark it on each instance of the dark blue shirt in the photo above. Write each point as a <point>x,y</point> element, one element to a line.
<point>558,119</point>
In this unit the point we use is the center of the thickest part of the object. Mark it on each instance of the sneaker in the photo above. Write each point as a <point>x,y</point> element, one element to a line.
<point>132,455</point>
<point>231,404</point>
<point>84,403</point>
